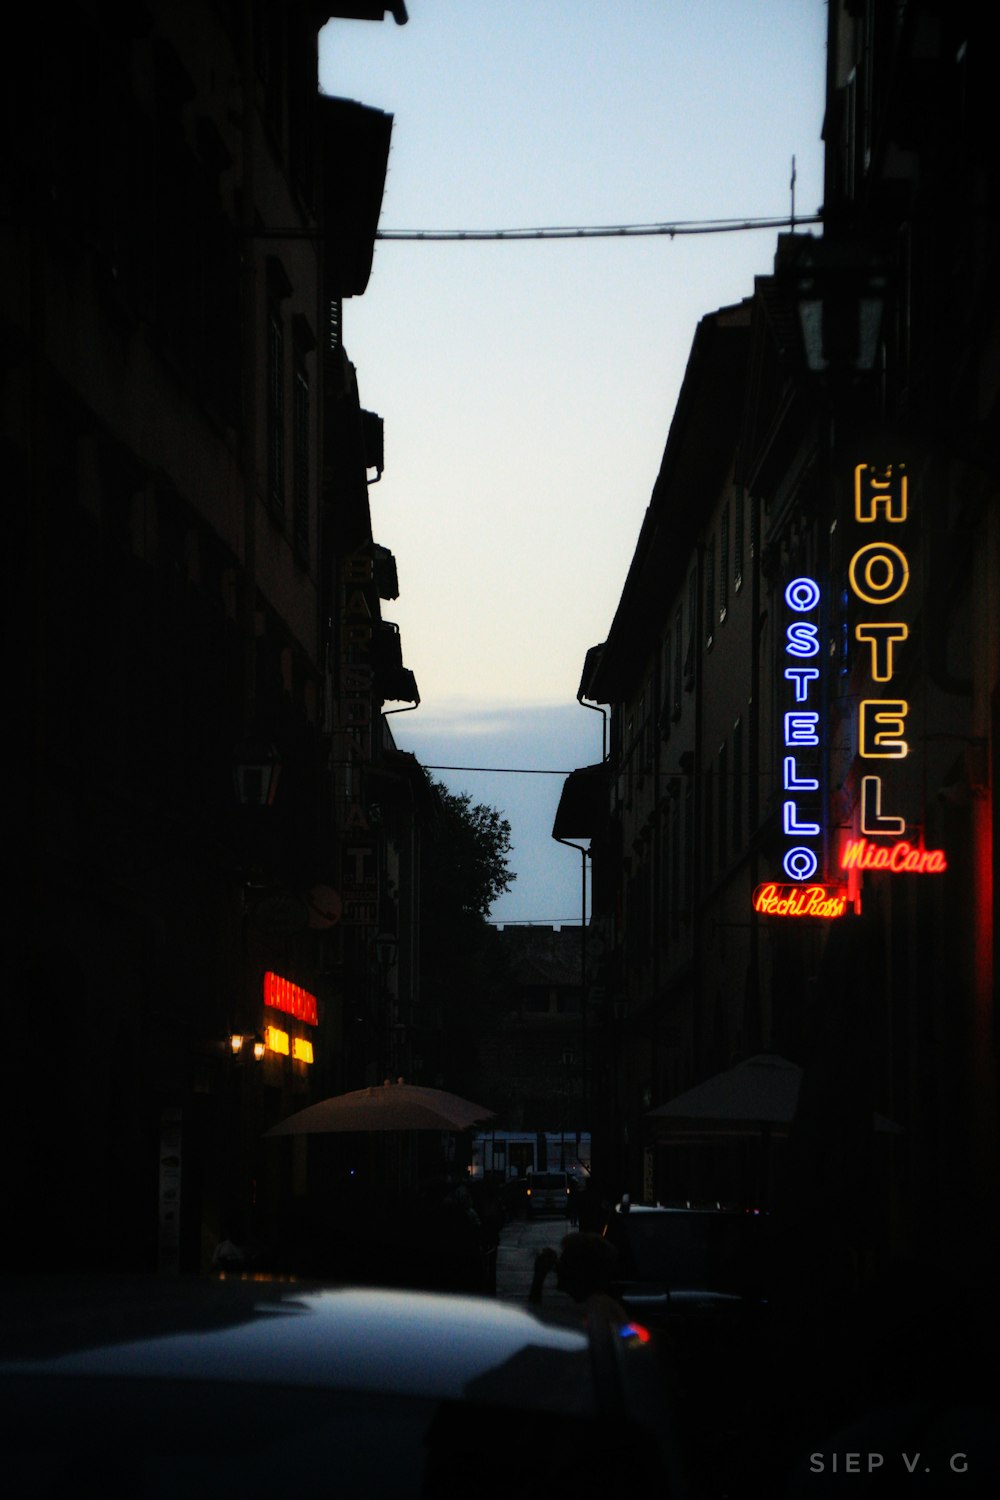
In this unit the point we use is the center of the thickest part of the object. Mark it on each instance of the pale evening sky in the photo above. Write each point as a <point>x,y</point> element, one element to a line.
<point>527,387</point>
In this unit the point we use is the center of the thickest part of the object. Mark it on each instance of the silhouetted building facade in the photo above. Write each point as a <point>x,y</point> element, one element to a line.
<point>218,824</point>
<point>794,850</point>
<point>531,1056</point>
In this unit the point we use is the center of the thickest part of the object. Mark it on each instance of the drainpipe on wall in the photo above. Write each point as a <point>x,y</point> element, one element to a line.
<point>597,709</point>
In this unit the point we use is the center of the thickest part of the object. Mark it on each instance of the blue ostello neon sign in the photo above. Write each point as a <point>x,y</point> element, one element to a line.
<point>801,730</point>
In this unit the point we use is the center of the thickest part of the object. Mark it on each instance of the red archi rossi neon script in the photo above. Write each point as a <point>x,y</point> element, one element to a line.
<point>800,900</point>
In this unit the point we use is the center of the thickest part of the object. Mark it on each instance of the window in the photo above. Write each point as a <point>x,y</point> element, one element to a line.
<point>300,462</point>
<point>674,888</point>
<point>275,409</point>
<point>675,702</point>
<point>724,564</point>
<point>269,46</point>
<point>710,592</point>
<point>738,784</point>
<point>722,822</point>
<point>688,846</point>
<point>664,894</point>
<point>666,686</point>
<point>738,524</point>
<point>691,650</point>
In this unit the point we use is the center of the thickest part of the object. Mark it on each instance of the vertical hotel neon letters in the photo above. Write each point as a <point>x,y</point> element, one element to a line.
<point>801,727</point>
<point>879,575</point>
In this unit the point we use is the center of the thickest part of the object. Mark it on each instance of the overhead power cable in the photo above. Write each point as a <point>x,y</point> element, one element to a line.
<point>501,770</point>
<point>595,770</point>
<point>603,231</point>
<point>534,921</point>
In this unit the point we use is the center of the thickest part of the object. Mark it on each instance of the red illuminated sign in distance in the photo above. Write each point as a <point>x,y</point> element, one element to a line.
<point>281,994</point>
<point>800,900</point>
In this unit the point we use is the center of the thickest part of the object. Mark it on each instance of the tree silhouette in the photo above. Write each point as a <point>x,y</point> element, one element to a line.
<point>464,869</point>
<point>468,854</point>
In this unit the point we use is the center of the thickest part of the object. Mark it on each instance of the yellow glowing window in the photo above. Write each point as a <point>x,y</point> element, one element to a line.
<point>302,1049</point>
<point>276,1040</point>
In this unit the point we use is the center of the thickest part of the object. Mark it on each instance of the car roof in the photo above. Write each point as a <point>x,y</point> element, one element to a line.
<point>245,1386</point>
<point>678,1209</point>
<point>286,1333</point>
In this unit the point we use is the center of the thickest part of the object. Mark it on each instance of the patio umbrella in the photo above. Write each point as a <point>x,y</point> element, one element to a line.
<point>762,1090</point>
<point>388,1106</point>
<point>758,1097</point>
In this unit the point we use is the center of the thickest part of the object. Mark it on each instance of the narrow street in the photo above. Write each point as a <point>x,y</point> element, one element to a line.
<point>520,1241</point>
<point>714,1444</point>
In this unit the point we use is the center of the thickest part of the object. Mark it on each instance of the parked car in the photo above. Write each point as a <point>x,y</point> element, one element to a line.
<point>514,1199</point>
<point>196,1389</point>
<point>692,1276</point>
<point>685,1262</point>
<point>547,1193</point>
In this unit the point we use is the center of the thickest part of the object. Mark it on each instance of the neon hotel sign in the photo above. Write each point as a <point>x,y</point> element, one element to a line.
<point>878,575</point>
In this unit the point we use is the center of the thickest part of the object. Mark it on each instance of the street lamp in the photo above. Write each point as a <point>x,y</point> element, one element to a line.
<point>255,1043</point>
<point>840,290</point>
<point>386,950</point>
<point>256,773</point>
